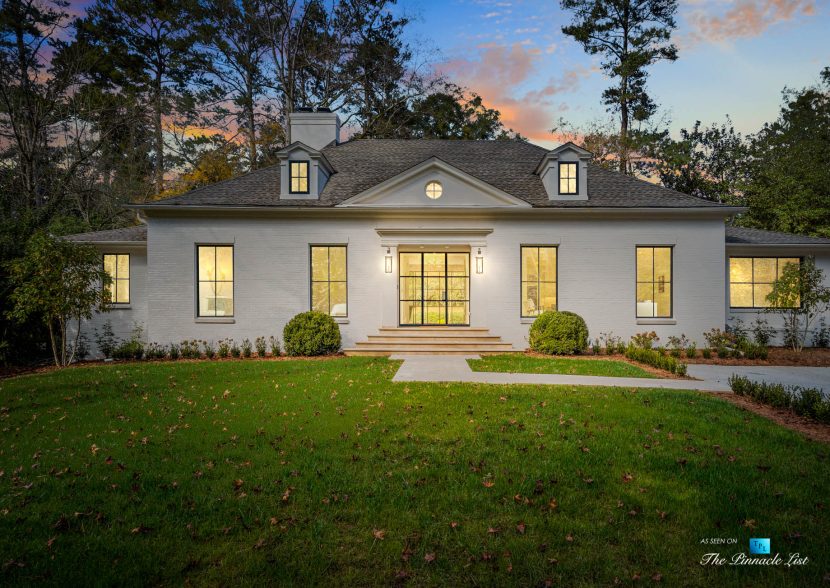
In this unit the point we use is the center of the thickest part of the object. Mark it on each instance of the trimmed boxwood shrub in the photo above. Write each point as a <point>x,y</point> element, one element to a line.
<point>808,402</point>
<point>656,359</point>
<point>311,333</point>
<point>558,333</point>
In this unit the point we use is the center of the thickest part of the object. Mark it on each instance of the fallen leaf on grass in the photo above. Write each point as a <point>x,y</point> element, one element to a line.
<point>379,534</point>
<point>520,528</point>
<point>429,557</point>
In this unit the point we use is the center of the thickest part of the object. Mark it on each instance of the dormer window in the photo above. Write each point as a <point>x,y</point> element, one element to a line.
<point>299,177</point>
<point>567,178</point>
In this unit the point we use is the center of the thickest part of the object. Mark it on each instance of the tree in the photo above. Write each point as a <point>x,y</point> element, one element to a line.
<point>788,188</point>
<point>708,162</point>
<point>60,282</point>
<point>799,296</point>
<point>150,47</point>
<point>630,35</point>
<point>453,115</point>
<point>232,31</point>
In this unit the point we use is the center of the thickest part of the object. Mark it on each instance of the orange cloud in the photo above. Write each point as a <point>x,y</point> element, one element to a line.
<point>746,18</point>
<point>498,74</point>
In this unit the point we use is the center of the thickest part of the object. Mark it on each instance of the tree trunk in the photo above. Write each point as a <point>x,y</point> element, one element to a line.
<point>52,342</point>
<point>159,136</point>
<point>249,107</point>
<point>624,127</point>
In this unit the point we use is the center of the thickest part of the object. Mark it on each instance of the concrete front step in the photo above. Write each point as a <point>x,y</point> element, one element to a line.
<point>441,351</point>
<point>420,338</point>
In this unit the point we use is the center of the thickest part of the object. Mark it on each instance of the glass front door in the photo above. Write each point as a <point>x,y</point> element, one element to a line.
<point>434,289</point>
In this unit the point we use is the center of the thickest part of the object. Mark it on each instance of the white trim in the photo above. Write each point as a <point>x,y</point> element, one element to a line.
<point>364,199</point>
<point>435,236</point>
<point>656,321</point>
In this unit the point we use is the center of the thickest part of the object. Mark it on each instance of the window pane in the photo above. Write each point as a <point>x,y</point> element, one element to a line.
<point>740,295</point>
<point>207,262</point>
<point>572,186</point>
<point>410,313</point>
<point>410,288</point>
<point>645,300</point>
<point>784,262</point>
<point>457,289</point>
<point>337,263</point>
<point>458,264</point>
<point>338,298</point>
<point>109,265</point>
<point>645,259</point>
<point>458,313</point>
<point>410,264</point>
<point>760,292</point>
<point>224,298</point>
<point>123,266</point>
<point>530,299</point>
<point>547,264</point>
<point>302,185</point>
<point>320,297</point>
<point>547,296</point>
<point>662,299</point>
<point>319,264</point>
<point>530,264</point>
<point>662,264</point>
<point>563,186</point>
<point>435,313</point>
<point>122,291</point>
<point>434,288</point>
<point>764,269</point>
<point>207,299</point>
<point>740,269</point>
<point>224,263</point>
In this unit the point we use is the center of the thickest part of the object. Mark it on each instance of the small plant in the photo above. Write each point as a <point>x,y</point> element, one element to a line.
<point>678,342</point>
<point>224,348</point>
<point>174,351</point>
<point>247,348</point>
<point>155,351</point>
<point>260,346</point>
<point>737,330</point>
<point>821,336</point>
<point>761,331</point>
<point>274,343</point>
<point>105,340</point>
<point>691,350</point>
<point>82,348</point>
<point>675,352</point>
<point>610,342</point>
<point>132,348</point>
<point>661,350</point>
<point>644,340</point>
<point>654,358</point>
<point>723,352</point>
<point>208,349</point>
<point>707,353</point>
<point>235,350</point>
<point>596,347</point>
<point>621,347</point>
<point>190,349</point>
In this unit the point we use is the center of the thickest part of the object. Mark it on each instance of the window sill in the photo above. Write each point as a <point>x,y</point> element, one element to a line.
<point>746,310</point>
<point>527,320</point>
<point>341,320</point>
<point>219,320</point>
<point>656,321</point>
<point>120,307</point>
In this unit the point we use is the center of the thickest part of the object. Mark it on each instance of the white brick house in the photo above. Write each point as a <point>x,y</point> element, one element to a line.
<point>430,235</point>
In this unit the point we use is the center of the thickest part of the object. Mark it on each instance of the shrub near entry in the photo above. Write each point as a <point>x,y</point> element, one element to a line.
<point>558,333</point>
<point>311,333</point>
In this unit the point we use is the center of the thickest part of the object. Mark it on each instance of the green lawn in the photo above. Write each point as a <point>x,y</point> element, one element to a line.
<point>518,363</point>
<point>327,473</point>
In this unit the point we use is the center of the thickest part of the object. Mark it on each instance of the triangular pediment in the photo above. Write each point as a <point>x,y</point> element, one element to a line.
<point>458,190</point>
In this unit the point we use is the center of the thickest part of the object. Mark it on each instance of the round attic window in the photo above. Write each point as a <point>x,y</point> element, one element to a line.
<point>434,190</point>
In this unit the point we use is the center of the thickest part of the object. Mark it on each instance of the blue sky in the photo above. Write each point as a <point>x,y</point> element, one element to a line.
<point>735,57</point>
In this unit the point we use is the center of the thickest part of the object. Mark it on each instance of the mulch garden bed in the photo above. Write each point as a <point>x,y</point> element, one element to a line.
<point>810,357</point>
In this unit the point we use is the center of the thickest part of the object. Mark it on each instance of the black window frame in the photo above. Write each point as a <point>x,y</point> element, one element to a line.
<point>522,281</point>
<point>777,258</point>
<point>637,282</point>
<point>446,301</point>
<point>114,284</point>
<point>311,280</point>
<point>292,176</point>
<point>232,281</point>
<point>567,164</point>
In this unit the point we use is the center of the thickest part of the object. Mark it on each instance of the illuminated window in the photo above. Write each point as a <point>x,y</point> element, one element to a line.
<point>538,280</point>
<point>434,190</point>
<point>567,178</point>
<point>117,267</point>
<point>328,280</point>
<point>751,279</point>
<point>299,177</point>
<point>654,279</point>
<point>215,271</point>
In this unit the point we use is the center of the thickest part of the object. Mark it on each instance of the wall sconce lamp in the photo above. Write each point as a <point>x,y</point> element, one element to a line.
<point>479,262</point>
<point>388,261</point>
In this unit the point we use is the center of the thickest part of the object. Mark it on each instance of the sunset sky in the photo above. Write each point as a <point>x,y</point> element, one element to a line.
<point>735,57</point>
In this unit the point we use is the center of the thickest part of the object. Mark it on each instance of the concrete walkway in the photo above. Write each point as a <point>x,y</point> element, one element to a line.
<point>454,368</point>
<point>713,378</point>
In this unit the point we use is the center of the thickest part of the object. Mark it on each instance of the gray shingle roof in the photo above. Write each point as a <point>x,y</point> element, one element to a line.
<point>127,234</point>
<point>746,236</point>
<point>506,165</point>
